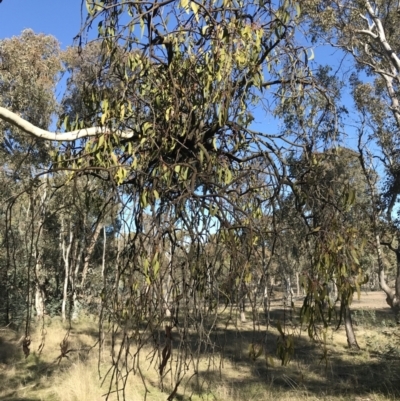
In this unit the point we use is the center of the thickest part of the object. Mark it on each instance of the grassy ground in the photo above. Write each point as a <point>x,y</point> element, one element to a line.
<point>316,372</point>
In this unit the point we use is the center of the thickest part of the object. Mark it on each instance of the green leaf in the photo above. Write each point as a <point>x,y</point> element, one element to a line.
<point>141,27</point>
<point>195,8</point>
<point>228,176</point>
<point>201,156</point>
<point>156,267</point>
<point>143,199</point>
<point>146,126</point>
<point>184,4</point>
<point>114,158</point>
<point>298,9</point>
<point>101,141</point>
<point>89,9</point>
<point>354,256</point>
<point>352,197</point>
<point>103,118</point>
<point>214,143</point>
<point>185,173</point>
<point>66,122</point>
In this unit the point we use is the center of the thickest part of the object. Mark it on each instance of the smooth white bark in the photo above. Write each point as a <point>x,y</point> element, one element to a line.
<point>26,126</point>
<point>392,56</point>
<point>66,249</point>
<point>90,249</point>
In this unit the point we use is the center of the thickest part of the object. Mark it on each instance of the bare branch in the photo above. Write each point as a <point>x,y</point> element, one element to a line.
<point>31,129</point>
<point>367,32</point>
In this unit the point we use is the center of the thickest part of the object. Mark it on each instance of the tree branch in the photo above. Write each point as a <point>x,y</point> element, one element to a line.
<point>392,56</point>
<point>367,32</point>
<point>70,136</point>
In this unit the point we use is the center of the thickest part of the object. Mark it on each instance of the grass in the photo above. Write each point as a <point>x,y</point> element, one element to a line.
<point>226,373</point>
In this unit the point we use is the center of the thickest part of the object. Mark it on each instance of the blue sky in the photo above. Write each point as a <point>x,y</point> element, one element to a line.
<point>60,18</point>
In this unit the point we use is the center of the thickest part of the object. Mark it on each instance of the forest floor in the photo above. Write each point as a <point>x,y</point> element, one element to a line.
<point>318,370</point>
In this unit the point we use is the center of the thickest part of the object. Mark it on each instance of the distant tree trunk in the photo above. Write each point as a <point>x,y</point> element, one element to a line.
<point>272,282</point>
<point>242,303</point>
<point>266,303</point>
<point>374,279</point>
<point>5,268</point>
<point>242,310</point>
<point>288,287</point>
<point>298,288</point>
<point>66,249</point>
<point>74,277</point>
<point>4,296</point>
<point>348,324</point>
<point>39,282</point>
<point>39,294</point>
<point>90,250</point>
<point>334,292</point>
<point>166,286</point>
<point>392,295</point>
<point>103,258</point>
<point>39,302</point>
<point>167,291</point>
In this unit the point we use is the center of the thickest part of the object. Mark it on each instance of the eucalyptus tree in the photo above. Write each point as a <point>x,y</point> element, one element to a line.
<point>26,87</point>
<point>368,31</point>
<point>163,116</point>
<point>322,194</point>
<point>335,207</point>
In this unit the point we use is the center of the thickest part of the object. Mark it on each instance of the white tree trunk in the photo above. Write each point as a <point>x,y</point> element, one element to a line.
<point>39,302</point>
<point>298,288</point>
<point>66,249</point>
<point>103,259</point>
<point>39,294</point>
<point>90,250</point>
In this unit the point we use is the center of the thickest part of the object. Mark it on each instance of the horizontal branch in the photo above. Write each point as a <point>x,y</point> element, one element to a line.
<point>26,126</point>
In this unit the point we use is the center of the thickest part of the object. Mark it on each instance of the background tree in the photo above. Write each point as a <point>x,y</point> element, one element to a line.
<point>368,31</point>
<point>26,88</point>
<point>338,229</point>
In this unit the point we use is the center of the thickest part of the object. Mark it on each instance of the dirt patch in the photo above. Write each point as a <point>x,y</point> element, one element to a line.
<point>371,300</point>
<point>375,300</point>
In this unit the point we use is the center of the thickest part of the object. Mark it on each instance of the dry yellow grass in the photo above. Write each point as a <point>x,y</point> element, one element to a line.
<point>229,374</point>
